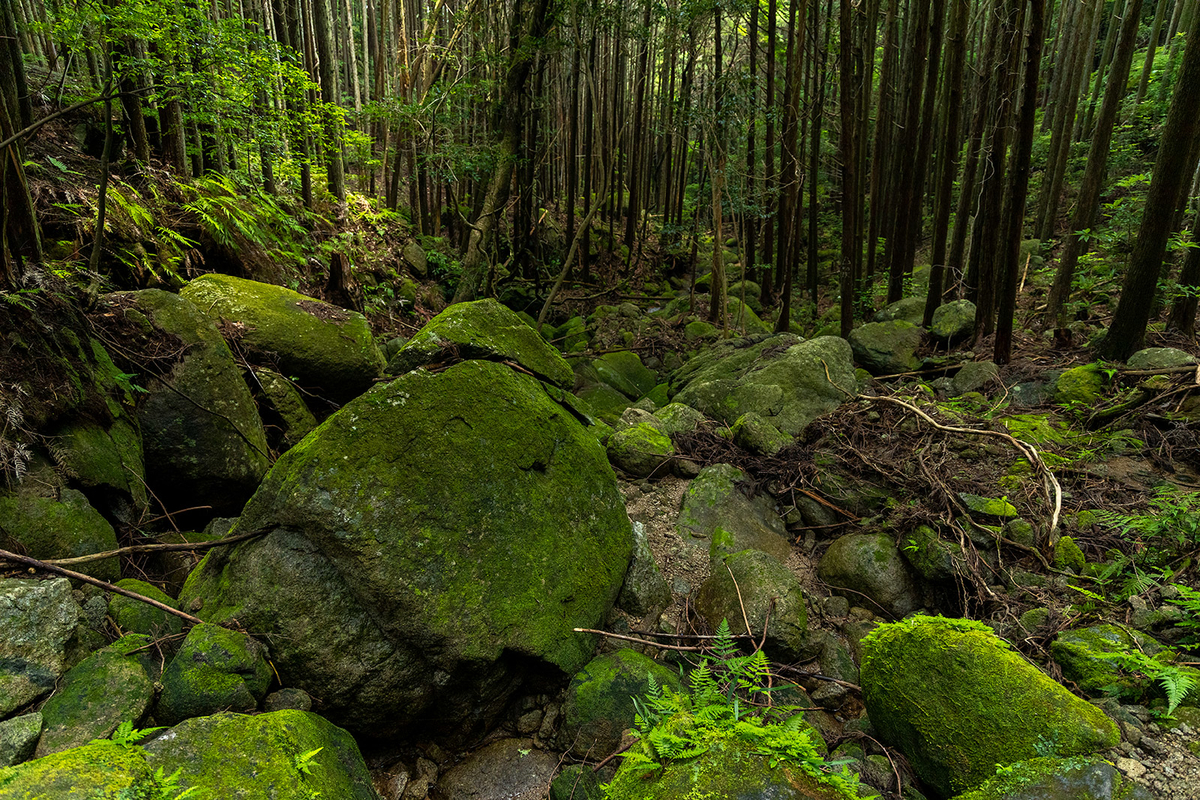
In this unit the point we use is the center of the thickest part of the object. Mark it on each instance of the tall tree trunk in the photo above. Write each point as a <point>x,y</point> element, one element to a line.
<point>1151,49</point>
<point>851,249</point>
<point>327,69</point>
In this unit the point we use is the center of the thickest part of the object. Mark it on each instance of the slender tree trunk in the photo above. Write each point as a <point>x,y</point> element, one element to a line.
<point>327,68</point>
<point>1183,311</point>
<point>1151,49</point>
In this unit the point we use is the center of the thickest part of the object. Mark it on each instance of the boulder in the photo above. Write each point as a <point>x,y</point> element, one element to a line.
<point>288,699</point>
<point>286,416</point>
<point>426,547</point>
<point>46,523</point>
<point>715,509</point>
<point>768,593</point>
<point>202,438</point>
<point>908,309</point>
<point>870,565</point>
<point>953,321</point>
<point>886,348</point>
<point>640,450</point>
<point>644,591</point>
<point>510,768</point>
<point>932,685</point>
<point>326,349</point>
<point>624,371</point>
<point>1080,652</point>
<point>731,768</point>
<point>98,694</point>
<point>216,669</point>
<point>485,330</point>
<point>754,434</point>
<point>1160,358</point>
<point>283,755</point>
<point>414,256</point>
<point>599,704</point>
<point>782,378</point>
<point>19,738</point>
<point>973,376</point>
<point>1079,386</point>
<point>105,460</point>
<point>677,418</point>
<point>931,557</point>
<point>38,620</point>
<point>98,770</point>
<point>606,402</point>
<point>1055,778</point>
<point>134,616</point>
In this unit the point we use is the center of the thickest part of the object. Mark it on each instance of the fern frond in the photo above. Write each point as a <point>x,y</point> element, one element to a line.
<point>724,645</point>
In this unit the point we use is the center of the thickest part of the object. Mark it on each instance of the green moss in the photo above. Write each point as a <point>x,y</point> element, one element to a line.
<point>1067,555</point>
<point>135,616</point>
<point>95,696</point>
<point>1079,653</point>
<point>66,527</point>
<point>1036,429</point>
<point>1080,386</point>
<point>215,669</point>
<point>98,771</point>
<point>1053,778</point>
<point>931,685</point>
<point>640,449</point>
<point>987,506</point>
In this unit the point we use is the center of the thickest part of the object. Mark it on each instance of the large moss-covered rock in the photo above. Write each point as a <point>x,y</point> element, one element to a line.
<point>640,450</point>
<point>782,378</point>
<point>39,524</point>
<point>134,616</point>
<point>769,595</point>
<point>1160,358</point>
<point>886,348</point>
<point>599,702</point>
<point>19,738</point>
<point>264,757</point>
<point>483,329</point>
<point>1059,779</point>
<point>730,769</point>
<point>107,459</point>
<point>933,686</point>
<point>287,417</point>
<point>1080,386</point>
<point>38,620</point>
<point>870,565</point>
<point>97,771</point>
<point>203,440</point>
<point>1080,652</point>
<point>95,696</point>
<point>216,669</point>
<point>676,418</point>
<point>325,348</point>
<point>908,309</point>
<point>715,509</point>
<point>624,371</point>
<point>953,321</point>
<point>753,433</point>
<point>425,547</point>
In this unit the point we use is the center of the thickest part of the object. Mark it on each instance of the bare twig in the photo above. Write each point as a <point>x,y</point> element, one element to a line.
<point>622,637</point>
<point>153,548</point>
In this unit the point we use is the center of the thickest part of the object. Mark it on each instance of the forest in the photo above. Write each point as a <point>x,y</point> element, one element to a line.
<point>452,399</point>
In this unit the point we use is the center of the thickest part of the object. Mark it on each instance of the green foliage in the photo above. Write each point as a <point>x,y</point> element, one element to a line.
<point>1187,600</point>
<point>728,697</point>
<point>251,224</point>
<point>1176,681</point>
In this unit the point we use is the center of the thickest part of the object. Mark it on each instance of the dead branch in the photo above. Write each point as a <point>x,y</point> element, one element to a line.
<point>154,548</point>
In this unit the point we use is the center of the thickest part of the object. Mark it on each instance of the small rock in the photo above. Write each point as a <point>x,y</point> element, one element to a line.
<point>297,699</point>
<point>1134,769</point>
<point>18,738</point>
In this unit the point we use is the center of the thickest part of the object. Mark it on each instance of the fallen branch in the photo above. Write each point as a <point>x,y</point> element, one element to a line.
<point>622,637</point>
<point>154,548</point>
<point>105,585</point>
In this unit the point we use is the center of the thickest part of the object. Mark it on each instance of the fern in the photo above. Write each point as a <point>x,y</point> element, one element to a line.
<point>1176,681</point>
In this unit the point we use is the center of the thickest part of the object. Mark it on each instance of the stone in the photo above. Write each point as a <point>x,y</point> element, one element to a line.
<point>46,523</point>
<point>101,769</point>
<point>510,768</point>
<point>754,434</point>
<point>782,378</point>
<point>288,699</point>
<point>1061,779</point>
<point>1079,386</point>
<point>414,256</point>
<point>624,371</point>
<point>644,591</point>
<point>974,376</point>
<point>908,309</point>
<point>38,620</point>
<point>932,684</point>
<point>699,330</point>
<point>484,330</point>
<point>1079,652</point>
<point>640,450</point>
<point>886,348</point>
<point>202,438</point>
<point>444,533</point>
<point>287,418</point>
<point>285,755</point>
<point>104,460</point>
<point>953,321</point>
<point>324,348</point>
<point>133,616</point>
<point>870,565</point>
<point>571,336</point>
<point>216,669</point>
<point>931,557</point>
<point>98,694</point>
<point>715,509</point>
<point>19,738</point>
<point>987,509</point>
<point>1160,358</point>
<point>770,595</point>
<point>676,418</point>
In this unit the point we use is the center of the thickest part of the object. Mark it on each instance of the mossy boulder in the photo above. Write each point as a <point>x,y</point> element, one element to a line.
<point>1080,652</point>
<point>287,418</point>
<point>644,591</point>
<point>931,557</point>
<point>95,696</point>
<point>1067,555</point>
<point>216,669</point>
<point>1059,779</point>
<point>571,336</point>
<point>1080,386</point>
<point>886,348</point>
<point>105,460</point>
<point>753,433</point>
<point>973,377</point>
<point>677,418</point>
<point>325,348</point>
<point>782,378</point>
<point>485,330</point>
<point>134,616</point>
<point>425,548</point>
<point>203,440</point>
<point>699,330</point>
<point>607,403</point>
<point>730,769</point>
<point>97,771</point>
<point>716,510</point>
<point>19,737</point>
<point>987,509</point>
<point>261,757</point>
<point>932,685</point>
<point>599,704</point>
<point>953,321</point>
<point>1160,358</point>
<point>767,592</point>
<point>36,522</point>
<point>38,621</point>
<point>640,450</point>
<point>624,371</point>
<point>908,309</point>
<point>870,565</point>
